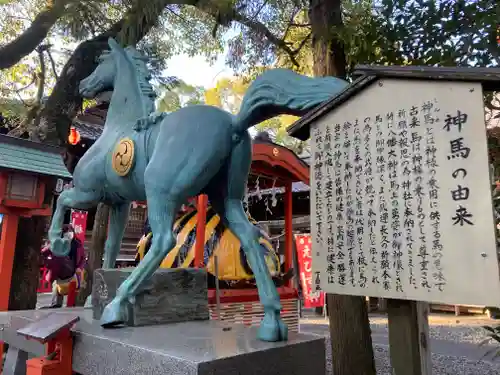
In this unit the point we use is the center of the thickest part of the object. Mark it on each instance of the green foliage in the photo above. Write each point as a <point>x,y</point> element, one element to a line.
<point>446,32</point>
<point>178,96</point>
<point>260,34</point>
<point>228,94</point>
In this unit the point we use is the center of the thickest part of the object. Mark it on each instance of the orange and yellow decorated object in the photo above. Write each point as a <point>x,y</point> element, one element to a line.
<point>219,241</point>
<point>63,286</point>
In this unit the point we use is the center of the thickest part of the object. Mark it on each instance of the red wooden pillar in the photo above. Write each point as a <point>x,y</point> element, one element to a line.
<point>71,298</point>
<point>200,230</point>
<point>7,246</point>
<point>288,230</point>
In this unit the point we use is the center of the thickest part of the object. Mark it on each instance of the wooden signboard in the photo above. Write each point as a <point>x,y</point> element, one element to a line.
<point>401,204</point>
<point>401,195</point>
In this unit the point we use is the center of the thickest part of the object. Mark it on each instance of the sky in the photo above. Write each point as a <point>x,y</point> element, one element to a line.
<point>196,70</point>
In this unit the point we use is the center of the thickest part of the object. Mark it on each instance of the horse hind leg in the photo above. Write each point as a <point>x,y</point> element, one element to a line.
<point>272,327</point>
<point>161,214</point>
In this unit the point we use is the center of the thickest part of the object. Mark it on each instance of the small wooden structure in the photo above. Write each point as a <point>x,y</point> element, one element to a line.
<point>401,196</point>
<point>28,174</point>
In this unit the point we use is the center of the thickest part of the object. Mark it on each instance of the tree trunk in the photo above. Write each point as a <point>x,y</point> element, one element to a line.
<point>351,341</point>
<point>65,101</point>
<point>26,270</point>
<point>96,251</point>
<point>328,50</point>
<point>352,350</point>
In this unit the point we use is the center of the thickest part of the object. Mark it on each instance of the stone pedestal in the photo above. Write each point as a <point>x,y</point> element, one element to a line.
<point>171,295</point>
<point>189,348</point>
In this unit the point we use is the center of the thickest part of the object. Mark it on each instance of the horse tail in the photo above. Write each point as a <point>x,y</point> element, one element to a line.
<point>282,91</point>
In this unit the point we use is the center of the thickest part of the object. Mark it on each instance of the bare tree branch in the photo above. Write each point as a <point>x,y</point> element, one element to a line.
<point>303,43</point>
<point>65,101</point>
<point>226,16</point>
<point>260,9</point>
<point>33,80</point>
<point>24,44</point>
<point>30,123</point>
<point>52,64</point>
<point>288,27</point>
<point>300,25</point>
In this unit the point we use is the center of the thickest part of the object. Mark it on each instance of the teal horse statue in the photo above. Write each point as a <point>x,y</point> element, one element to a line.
<point>167,158</point>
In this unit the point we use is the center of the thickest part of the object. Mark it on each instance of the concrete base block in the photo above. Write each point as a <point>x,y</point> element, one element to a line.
<point>171,295</point>
<point>189,348</point>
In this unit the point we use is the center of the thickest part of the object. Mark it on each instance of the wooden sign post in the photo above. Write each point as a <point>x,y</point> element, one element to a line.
<point>409,337</point>
<point>401,199</point>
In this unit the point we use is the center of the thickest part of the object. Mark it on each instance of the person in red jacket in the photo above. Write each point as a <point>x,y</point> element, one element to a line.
<point>63,270</point>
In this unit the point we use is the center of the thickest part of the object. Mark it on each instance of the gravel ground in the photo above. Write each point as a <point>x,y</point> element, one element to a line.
<point>458,330</point>
<point>466,329</point>
<point>441,365</point>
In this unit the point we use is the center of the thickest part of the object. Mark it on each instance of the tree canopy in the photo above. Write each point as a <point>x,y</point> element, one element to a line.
<point>47,47</point>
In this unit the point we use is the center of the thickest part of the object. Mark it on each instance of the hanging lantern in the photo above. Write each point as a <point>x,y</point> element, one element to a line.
<point>74,136</point>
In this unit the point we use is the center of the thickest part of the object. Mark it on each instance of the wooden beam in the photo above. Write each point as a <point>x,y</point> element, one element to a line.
<point>25,212</point>
<point>200,230</point>
<point>288,231</point>
<point>296,222</point>
<point>409,337</point>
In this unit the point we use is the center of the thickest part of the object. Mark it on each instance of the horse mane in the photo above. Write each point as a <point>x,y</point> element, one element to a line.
<point>140,63</point>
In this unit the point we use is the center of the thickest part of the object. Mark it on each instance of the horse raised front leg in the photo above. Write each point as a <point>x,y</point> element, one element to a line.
<point>71,198</point>
<point>161,214</point>
<point>117,222</point>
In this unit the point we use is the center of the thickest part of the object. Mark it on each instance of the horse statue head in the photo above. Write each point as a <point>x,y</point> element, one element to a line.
<point>125,71</point>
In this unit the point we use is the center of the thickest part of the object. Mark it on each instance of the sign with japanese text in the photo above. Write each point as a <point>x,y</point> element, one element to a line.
<point>400,195</point>
<point>312,297</point>
<point>79,223</point>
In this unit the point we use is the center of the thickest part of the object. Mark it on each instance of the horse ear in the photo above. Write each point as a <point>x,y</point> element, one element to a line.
<point>113,44</point>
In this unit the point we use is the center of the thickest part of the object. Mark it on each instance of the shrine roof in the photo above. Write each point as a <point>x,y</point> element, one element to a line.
<point>276,162</point>
<point>24,155</point>
<point>368,74</point>
<point>91,122</point>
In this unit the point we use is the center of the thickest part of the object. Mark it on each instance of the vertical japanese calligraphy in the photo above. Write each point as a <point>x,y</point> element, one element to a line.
<point>339,207</point>
<point>395,185</point>
<point>331,257</point>
<point>359,224</point>
<point>318,178</point>
<point>312,297</point>
<point>453,124</point>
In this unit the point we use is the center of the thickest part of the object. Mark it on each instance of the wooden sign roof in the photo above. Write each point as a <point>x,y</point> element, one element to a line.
<point>369,74</point>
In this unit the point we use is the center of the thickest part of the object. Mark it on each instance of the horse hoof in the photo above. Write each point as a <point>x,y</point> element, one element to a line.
<point>272,328</point>
<point>114,314</point>
<point>88,303</point>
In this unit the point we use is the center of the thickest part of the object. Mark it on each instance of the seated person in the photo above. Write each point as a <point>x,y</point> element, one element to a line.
<point>63,270</point>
